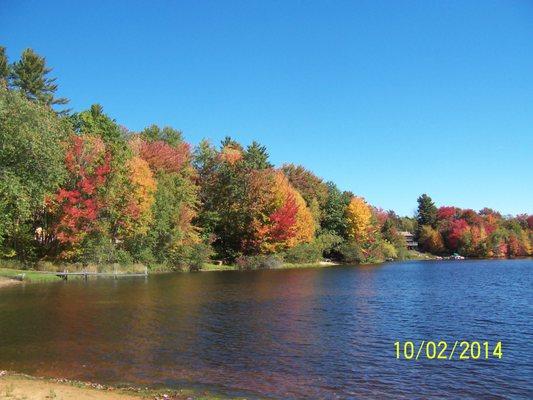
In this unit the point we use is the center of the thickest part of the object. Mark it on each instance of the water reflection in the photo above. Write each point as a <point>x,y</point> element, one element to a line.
<point>316,333</point>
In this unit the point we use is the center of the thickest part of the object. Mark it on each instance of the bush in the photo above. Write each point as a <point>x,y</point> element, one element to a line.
<point>314,251</point>
<point>97,249</point>
<point>388,250</point>
<point>198,255</point>
<point>303,253</point>
<point>259,262</point>
<point>191,257</point>
<point>350,252</point>
<point>402,252</point>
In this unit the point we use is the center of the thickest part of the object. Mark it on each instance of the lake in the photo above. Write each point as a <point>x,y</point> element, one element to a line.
<point>324,333</point>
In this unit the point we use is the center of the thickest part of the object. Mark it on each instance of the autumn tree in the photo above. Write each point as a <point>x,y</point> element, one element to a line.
<point>171,239</point>
<point>142,186</point>
<point>280,218</point>
<point>80,201</point>
<point>476,234</point>
<point>430,240</point>
<point>118,190</point>
<point>162,156</point>
<point>358,215</point>
<point>312,188</point>
<point>223,175</point>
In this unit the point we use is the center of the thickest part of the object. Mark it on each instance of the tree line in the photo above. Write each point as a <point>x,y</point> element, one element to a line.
<point>79,187</point>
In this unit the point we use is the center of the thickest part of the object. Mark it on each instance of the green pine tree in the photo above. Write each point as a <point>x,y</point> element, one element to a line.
<point>4,67</point>
<point>29,75</point>
<point>256,156</point>
<point>427,211</point>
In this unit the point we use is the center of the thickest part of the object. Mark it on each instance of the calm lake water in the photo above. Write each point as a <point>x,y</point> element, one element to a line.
<point>284,334</point>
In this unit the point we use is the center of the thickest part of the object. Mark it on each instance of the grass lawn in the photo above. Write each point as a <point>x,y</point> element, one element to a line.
<point>31,276</point>
<point>416,255</point>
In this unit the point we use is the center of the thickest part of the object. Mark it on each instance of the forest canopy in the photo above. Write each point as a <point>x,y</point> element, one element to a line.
<point>79,187</point>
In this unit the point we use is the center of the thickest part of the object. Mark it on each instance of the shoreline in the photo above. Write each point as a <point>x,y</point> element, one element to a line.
<point>9,276</point>
<point>14,385</point>
<point>4,282</point>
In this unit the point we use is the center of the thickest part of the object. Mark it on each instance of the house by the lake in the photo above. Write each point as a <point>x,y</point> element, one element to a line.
<point>410,240</point>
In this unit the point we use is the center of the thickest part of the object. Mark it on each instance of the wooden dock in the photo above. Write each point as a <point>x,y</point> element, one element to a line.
<point>86,274</point>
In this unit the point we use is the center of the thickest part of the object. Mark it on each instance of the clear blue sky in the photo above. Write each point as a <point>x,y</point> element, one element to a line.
<point>389,99</point>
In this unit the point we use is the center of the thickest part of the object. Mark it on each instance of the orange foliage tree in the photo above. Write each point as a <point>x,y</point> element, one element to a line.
<point>280,218</point>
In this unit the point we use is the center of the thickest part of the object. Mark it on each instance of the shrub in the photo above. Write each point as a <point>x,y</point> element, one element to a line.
<point>303,253</point>
<point>190,257</point>
<point>259,262</point>
<point>388,250</point>
<point>312,252</point>
<point>350,252</point>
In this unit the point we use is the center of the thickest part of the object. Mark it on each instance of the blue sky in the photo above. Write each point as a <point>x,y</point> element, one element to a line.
<point>389,99</point>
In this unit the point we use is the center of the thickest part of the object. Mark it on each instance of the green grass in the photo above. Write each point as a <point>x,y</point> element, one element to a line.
<point>43,271</point>
<point>416,255</point>
<point>31,276</point>
<point>216,267</point>
<point>305,265</point>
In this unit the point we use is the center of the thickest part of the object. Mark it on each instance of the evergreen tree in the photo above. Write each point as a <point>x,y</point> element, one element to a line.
<point>168,134</point>
<point>229,142</point>
<point>427,212</point>
<point>256,156</point>
<point>4,67</point>
<point>29,75</point>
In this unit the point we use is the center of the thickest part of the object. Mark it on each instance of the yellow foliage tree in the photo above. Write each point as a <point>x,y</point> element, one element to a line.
<point>359,216</point>
<point>140,198</point>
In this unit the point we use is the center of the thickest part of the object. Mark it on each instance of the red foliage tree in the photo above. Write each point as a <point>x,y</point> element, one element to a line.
<point>381,215</point>
<point>530,222</point>
<point>471,217</point>
<point>88,165</point>
<point>283,220</point>
<point>446,213</point>
<point>161,156</point>
<point>458,228</point>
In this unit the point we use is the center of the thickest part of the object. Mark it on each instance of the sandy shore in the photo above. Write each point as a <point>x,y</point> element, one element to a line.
<point>8,282</point>
<point>15,387</point>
